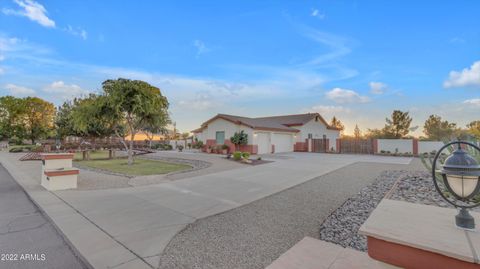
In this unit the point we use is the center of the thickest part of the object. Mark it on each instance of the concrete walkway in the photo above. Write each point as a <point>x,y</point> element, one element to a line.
<point>252,236</point>
<point>24,230</point>
<point>135,224</point>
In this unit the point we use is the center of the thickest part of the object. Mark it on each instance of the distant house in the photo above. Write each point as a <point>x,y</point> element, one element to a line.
<point>267,134</point>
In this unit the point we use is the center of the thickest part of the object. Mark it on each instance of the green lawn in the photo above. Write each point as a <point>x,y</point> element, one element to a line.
<point>141,167</point>
<point>94,155</point>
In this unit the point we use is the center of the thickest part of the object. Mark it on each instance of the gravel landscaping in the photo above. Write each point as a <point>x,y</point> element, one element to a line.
<point>341,227</point>
<point>254,235</point>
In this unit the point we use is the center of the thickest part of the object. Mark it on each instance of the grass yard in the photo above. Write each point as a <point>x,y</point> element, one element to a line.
<point>141,167</point>
<point>94,155</point>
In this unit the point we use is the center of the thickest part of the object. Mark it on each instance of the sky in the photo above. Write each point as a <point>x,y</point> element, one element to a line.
<point>356,60</point>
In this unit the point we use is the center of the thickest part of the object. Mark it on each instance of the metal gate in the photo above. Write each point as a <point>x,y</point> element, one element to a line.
<point>356,146</point>
<point>319,145</point>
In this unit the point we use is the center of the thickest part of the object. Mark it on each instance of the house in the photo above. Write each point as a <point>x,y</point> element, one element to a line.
<point>268,134</point>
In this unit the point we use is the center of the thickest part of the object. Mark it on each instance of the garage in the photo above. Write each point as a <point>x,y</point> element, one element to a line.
<point>283,142</point>
<point>263,142</point>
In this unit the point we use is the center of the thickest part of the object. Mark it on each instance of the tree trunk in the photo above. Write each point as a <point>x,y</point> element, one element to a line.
<point>130,153</point>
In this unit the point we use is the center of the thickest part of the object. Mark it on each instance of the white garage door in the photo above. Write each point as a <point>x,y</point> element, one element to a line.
<point>263,142</point>
<point>282,142</point>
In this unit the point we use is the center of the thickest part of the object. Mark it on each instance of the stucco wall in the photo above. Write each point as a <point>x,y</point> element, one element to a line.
<point>229,128</point>
<point>403,145</point>
<point>429,146</point>
<point>317,129</point>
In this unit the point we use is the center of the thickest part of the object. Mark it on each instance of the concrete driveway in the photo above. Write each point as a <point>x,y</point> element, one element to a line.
<point>144,219</point>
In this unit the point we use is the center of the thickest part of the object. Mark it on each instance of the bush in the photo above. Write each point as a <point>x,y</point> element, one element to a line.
<point>245,155</point>
<point>259,158</point>
<point>180,147</point>
<point>237,155</point>
<point>17,149</point>
<point>198,145</point>
<point>225,146</point>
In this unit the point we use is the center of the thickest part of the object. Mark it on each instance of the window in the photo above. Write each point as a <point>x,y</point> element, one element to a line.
<point>310,136</point>
<point>220,138</point>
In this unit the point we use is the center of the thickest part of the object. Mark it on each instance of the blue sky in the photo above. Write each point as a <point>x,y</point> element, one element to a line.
<point>357,60</point>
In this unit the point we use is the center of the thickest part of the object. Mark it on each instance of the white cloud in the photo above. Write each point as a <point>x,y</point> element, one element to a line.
<point>32,10</point>
<point>316,13</point>
<point>2,57</point>
<point>328,110</point>
<point>2,71</point>
<point>468,77</point>
<point>64,91</point>
<point>457,40</point>
<point>77,32</point>
<point>201,47</point>
<point>202,101</point>
<point>377,87</point>
<point>343,96</point>
<point>473,102</point>
<point>19,91</point>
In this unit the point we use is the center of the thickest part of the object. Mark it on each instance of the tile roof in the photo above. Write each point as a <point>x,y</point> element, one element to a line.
<point>274,123</point>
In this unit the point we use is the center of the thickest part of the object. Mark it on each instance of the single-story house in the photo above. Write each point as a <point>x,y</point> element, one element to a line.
<point>268,134</point>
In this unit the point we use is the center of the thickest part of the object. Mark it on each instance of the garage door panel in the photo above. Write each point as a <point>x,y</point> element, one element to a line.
<point>263,142</point>
<point>283,142</point>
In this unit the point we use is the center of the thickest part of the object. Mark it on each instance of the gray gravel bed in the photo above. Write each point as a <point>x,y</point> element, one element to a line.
<point>341,227</point>
<point>254,235</point>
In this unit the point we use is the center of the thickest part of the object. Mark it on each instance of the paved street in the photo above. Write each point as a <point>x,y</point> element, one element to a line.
<point>27,238</point>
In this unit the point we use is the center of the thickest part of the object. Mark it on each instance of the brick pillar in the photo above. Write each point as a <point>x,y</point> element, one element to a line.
<point>309,145</point>
<point>339,143</point>
<point>327,145</point>
<point>375,146</point>
<point>415,147</point>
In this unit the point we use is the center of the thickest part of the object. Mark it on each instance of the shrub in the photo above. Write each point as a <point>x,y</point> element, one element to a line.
<point>15,150</point>
<point>199,145</point>
<point>180,147</point>
<point>245,155</point>
<point>225,146</point>
<point>237,155</point>
<point>189,145</point>
<point>259,158</point>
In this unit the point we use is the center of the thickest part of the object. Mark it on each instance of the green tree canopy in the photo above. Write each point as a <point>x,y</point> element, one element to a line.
<point>356,132</point>
<point>135,105</point>
<point>474,129</point>
<point>11,118</point>
<point>39,118</point>
<point>398,126</point>
<point>337,123</point>
<point>436,129</point>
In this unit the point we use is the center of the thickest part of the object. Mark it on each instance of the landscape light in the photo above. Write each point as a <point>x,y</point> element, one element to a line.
<point>460,176</point>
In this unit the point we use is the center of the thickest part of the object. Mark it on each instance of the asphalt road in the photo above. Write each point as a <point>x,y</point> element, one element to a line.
<point>254,235</point>
<point>27,238</point>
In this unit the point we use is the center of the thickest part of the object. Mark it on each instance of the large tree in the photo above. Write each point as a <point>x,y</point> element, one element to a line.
<point>337,124</point>
<point>356,132</point>
<point>398,126</point>
<point>88,117</point>
<point>436,129</point>
<point>11,118</point>
<point>474,129</point>
<point>134,105</point>
<point>38,118</point>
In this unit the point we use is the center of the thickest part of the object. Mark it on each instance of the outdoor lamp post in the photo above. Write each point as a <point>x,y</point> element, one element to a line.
<point>460,181</point>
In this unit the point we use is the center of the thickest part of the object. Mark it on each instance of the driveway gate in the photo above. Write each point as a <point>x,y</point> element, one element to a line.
<point>319,145</point>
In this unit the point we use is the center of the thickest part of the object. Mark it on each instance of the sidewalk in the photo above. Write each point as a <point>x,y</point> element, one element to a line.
<point>130,227</point>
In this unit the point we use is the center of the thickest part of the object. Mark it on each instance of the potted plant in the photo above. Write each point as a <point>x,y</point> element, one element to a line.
<point>180,148</point>
<point>225,149</point>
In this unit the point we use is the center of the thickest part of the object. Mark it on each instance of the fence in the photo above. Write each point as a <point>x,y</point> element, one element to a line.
<point>319,145</point>
<point>356,146</point>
